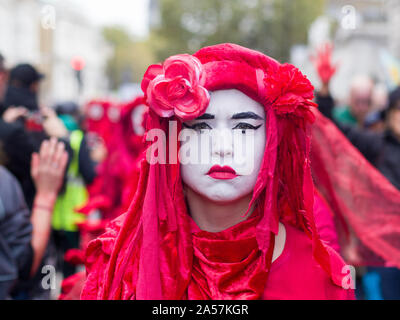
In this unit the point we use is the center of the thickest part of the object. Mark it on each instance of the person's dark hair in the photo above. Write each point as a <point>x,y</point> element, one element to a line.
<point>394,99</point>
<point>393,102</point>
<point>66,107</point>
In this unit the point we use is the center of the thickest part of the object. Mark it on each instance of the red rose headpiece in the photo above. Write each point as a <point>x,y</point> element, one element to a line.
<point>175,88</point>
<point>179,86</point>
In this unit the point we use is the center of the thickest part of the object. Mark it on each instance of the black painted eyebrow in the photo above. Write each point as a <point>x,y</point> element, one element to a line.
<point>205,116</point>
<point>247,115</point>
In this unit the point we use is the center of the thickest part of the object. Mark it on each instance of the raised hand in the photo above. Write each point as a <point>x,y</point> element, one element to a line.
<point>323,63</point>
<point>53,125</point>
<point>48,168</point>
<point>13,113</point>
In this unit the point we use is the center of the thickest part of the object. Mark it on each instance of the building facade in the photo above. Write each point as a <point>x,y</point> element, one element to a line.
<point>366,40</point>
<point>50,36</point>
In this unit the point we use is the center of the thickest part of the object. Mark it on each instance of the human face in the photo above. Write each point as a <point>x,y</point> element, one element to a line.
<point>137,119</point>
<point>361,102</point>
<point>235,124</point>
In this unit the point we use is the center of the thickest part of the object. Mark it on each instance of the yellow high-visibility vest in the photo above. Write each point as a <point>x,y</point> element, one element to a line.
<point>64,216</point>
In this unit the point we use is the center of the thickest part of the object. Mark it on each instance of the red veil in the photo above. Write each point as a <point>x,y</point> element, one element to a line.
<point>147,253</point>
<point>366,204</point>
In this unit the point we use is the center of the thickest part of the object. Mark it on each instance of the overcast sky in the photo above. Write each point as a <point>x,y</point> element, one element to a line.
<point>131,13</point>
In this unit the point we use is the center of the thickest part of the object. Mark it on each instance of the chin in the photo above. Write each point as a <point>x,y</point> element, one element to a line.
<point>221,199</point>
<point>223,194</point>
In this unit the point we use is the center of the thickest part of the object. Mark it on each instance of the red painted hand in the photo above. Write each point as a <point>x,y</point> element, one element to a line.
<point>323,63</point>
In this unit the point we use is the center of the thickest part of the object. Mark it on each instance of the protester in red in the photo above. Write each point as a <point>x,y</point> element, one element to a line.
<point>101,118</point>
<point>217,231</point>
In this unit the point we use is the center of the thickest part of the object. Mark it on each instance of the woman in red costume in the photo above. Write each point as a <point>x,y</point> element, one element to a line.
<point>116,185</point>
<point>101,118</point>
<point>223,228</point>
<point>118,173</point>
<point>133,115</point>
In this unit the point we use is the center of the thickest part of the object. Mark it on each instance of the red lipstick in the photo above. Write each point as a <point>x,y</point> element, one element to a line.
<point>222,173</point>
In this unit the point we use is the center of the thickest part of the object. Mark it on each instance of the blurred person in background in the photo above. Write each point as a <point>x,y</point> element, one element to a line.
<point>23,87</point>
<point>23,235</point>
<point>101,118</point>
<point>375,119</point>
<point>22,131</point>
<point>19,142</point>
<point>381,149</point>
<point>115,186</point>
<point>81,173</point>
<point>23,127</point>
<point>18,145</point>
<point>119,169</point>
<point>360,102</point>
<point>360,99</point>
<point>380,97</point>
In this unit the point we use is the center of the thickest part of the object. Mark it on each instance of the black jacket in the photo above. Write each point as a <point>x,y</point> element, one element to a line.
<point>16,253</point>
<point>17,146</point>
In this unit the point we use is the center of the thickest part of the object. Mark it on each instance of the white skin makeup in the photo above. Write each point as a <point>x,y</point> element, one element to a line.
<point>137,119</point>
<point>217,200</point>
<point>96,112</point>
<point>228,117</point>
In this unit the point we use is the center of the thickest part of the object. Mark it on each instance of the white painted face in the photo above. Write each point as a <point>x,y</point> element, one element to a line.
<point>113,114</point>
<point>96,112</point>
<point>235,126</point>
<point>137,119</point>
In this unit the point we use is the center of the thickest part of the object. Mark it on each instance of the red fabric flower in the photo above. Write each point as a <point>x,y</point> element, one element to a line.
<point>289,92</point>
<point>175,88</point>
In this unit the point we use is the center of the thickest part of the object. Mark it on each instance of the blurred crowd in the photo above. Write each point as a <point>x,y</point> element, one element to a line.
<point>68,169</point>
<point>371,122</point>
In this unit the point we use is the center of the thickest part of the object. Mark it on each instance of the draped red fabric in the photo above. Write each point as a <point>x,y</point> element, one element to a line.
<point>233,259</point>
<point>365,203</point>
<point>150,251</point>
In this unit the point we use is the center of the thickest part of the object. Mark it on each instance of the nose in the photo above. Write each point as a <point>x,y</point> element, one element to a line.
<point>222,143</point>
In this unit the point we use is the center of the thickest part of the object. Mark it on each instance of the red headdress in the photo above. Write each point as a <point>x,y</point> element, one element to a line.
<point>134,141</point>
<point>148,252</point>
<point>101,118</point>
<point>115,173</point>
